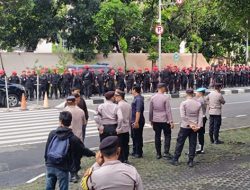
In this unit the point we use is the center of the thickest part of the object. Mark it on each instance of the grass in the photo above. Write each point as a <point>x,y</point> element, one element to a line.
<point>153,171</point>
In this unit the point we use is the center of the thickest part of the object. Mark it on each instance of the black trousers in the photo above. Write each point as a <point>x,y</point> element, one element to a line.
<point>183,134</point>
<point>109,130</point>
<point>214,126</point>
<point>30,91</point>
<point>54,89</point>
<point>201,133</point>
<point>158,128</point>
<point>87,88</point>
<point>137,137</point>
<point>124,144</point>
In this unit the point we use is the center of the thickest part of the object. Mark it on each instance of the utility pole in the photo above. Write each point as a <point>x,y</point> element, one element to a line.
<point>159,37</point>
<point>247,48</point>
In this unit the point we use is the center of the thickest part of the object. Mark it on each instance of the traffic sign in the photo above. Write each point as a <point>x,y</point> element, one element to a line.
<point>159,29</point>
<point>179,2</point>
<point>176,57</point>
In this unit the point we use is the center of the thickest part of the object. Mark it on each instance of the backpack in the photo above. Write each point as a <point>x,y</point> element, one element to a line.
<point>57,150</point>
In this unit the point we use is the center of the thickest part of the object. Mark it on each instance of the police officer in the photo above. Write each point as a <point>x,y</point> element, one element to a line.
<point>23,78</point>
<point>146,81</point>
<point>161,119</point>
<point>120,79</point>
<point>110,81</point>
<point>184,79</point>
<point>191,122</point>
<point>123,130</point>
<point>87,81</point>
<point>108,117</point>
<point>29,85</point>
<point>108,167</point>
<point>130,79</point>
<point>190,78</point>
<point>215,101</point>
<point>43,80</point>
<point>100,78</point>
<point>154,79</point>
<point>55,77</point>
<point>77,80</point>
<point>138,122</point>
<point>14,78</point>
<point>200,96</point>
<point>139,77</point>
<point>66,83</point>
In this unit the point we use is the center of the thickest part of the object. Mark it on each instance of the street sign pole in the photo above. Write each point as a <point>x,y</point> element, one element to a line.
<point>159,37</point>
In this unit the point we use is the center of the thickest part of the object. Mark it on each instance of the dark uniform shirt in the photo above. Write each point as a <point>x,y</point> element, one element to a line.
<point>138,106</point>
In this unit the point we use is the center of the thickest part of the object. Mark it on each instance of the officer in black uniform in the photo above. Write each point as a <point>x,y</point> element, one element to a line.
<point>110,81</point>
<point>48,75</point>
<point>23,78</point>
<point>29,85</point>
<point>100,78</point>
<point>66,83</point>
<point>154,79</point>
<point>87,81</point>
<point>14,79</point>
<point>176,81</point>
<point>184,79</point>
<point>190,78</point>
<point>146,81</point>
<point>120,79</point>
<point>198,78</point>
<point>77,80</point>
<point>43,80</point>
<point>139,77</point>
<point>55,78</point>
<point>130,79</point>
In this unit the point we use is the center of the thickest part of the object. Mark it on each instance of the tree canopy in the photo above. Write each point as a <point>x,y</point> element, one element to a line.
<point>214,28</point>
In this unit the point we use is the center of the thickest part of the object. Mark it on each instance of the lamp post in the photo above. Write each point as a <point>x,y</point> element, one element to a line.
<point>159,28</point>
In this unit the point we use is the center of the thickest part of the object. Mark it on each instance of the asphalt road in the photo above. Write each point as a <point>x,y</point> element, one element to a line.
<point>19,164</point>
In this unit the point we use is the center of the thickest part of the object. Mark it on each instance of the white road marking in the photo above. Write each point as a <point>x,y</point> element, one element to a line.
<point>241,116</point>
<point>36,178</point>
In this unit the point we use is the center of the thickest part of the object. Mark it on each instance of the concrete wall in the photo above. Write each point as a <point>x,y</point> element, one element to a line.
<point>22,61</point>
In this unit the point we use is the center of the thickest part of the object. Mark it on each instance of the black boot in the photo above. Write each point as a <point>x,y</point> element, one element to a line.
<point>190,163</point>
<point>211,138</point>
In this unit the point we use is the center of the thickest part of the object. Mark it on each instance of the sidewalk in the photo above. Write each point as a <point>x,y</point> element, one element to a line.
<point>224,167</point>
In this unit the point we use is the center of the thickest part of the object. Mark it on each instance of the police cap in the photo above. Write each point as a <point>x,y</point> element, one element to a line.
<point>109,142</point>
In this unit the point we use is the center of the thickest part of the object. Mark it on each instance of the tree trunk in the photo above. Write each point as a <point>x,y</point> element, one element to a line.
<point>196,57</point>
<point>125,61</point>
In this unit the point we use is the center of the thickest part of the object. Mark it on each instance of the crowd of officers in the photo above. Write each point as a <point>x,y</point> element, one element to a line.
<point>117,120</point>
<point>99,81</point>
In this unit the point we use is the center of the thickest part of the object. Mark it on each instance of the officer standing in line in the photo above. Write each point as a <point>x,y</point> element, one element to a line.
<point>161,119</point>
<point>123,130</point>
<point>191,122</point>
<point>130,79</point>
<point>55,77</point>
<point>77,80</point>
<point>111,81</point>
<point>100,78</point>
<point>154,79</point>
<point>109,173</point>
<point>183,79</point>
<point>66,83</point>
<point>138,77</point>
<point>146,81</point>
<point>120,79</point>
<point>48,75</point>
<point>43,84</point>
<point>215,101</point>
<point>14,79</point>
<point>200,96</point>
<point>190,78</point>
<point>138,122</point>
<point>87,77</point>
<point>108,117</point>
<point>29,86</point>
<point>23,78</point>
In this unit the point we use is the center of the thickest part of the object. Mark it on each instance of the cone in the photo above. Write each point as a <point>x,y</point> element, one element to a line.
<point>23,103</point>
<point>45,101</point>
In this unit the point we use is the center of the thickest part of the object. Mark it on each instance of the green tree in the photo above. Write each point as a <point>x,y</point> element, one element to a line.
<point>25,23</point>
<point>116,20</point>
<point>124,47</point>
